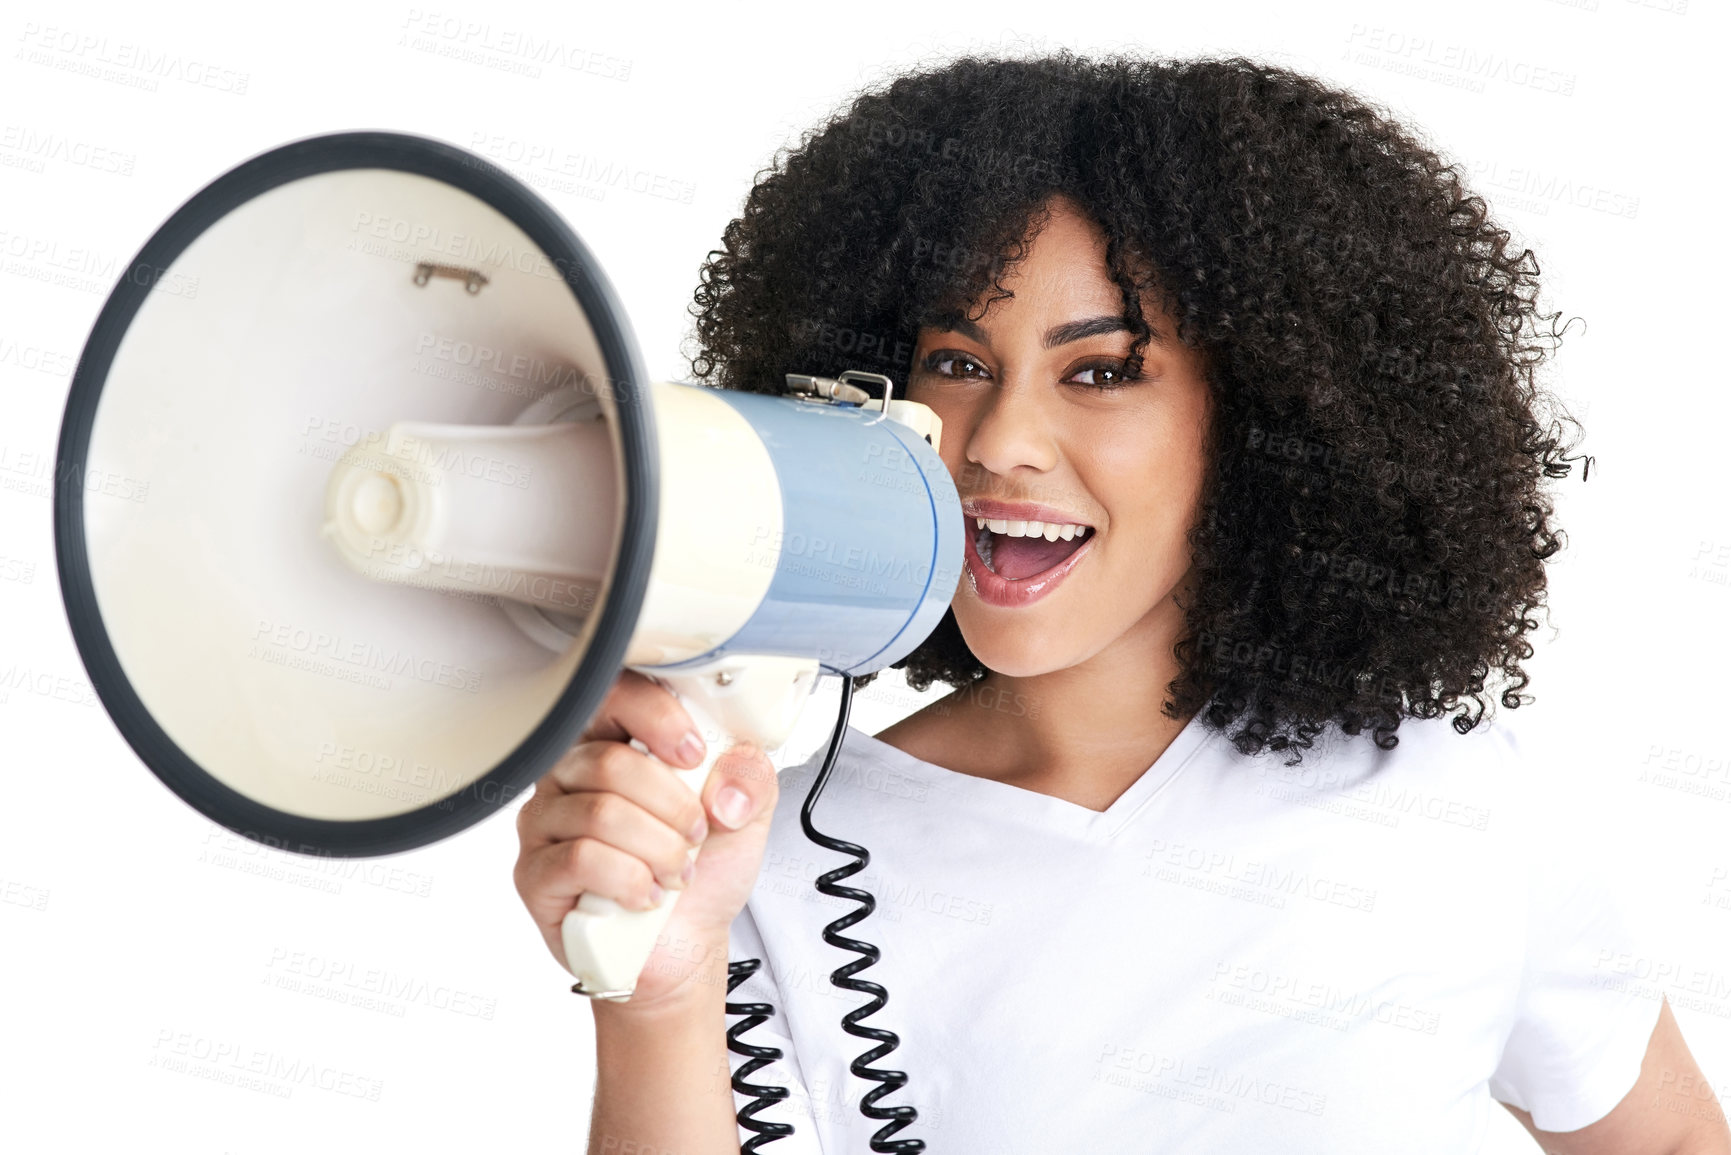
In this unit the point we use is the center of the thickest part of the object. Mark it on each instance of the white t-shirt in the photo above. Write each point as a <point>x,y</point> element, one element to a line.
<point>1353,955</point>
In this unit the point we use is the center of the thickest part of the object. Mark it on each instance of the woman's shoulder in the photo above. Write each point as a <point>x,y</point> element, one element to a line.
<point>1483,778</point>
<point>1496,745</point>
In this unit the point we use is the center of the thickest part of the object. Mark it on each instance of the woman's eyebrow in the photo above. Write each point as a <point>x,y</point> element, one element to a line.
<point>1058,334</point>
<point>956,323</point>
<point>1092,327</point>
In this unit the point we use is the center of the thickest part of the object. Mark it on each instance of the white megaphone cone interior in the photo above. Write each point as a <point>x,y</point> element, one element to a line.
<point>308,599</point>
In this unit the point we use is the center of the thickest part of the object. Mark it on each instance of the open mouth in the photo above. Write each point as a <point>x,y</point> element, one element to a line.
<point>1018,550</point>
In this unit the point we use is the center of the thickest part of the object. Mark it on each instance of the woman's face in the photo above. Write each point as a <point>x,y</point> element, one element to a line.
<point>1029,434</point>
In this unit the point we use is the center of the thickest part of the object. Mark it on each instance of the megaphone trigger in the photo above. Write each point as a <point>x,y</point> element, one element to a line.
<point>754,699</point>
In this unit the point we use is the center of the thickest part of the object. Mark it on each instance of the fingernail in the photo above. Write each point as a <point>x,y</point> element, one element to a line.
<point>691,749</point>
<point>690,869</point>
<point>655,893</point>
<point>731,806</point>
<point>698,832</point>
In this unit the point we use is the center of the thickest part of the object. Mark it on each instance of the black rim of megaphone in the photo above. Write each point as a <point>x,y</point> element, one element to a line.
<point>596,672</point>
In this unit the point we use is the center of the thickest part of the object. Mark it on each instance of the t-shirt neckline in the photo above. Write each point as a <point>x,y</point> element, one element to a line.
<point>1047,810</point>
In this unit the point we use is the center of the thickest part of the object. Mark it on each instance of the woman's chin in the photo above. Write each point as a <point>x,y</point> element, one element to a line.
<point>1013,652</point>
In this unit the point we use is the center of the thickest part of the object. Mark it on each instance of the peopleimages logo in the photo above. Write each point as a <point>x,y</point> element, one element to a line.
<point>1456,65</point>
<point>1199,867</point>
<point>431,569</point>
<point>360,655</point>
<point>256,1068</point>
<point>540,374</point>
<point>504,48</point>
<point>772,544</point>
<point>580,170</point>
<point>343,980</point>
<point>1331,1006</point>
<point>1548,188</point>
<point>398,238</point>
<point>36,359</point>
<point>122,61</point>
<point>46,260</point>
<point>30,149</point>
<point>405,455</point>
<point>1117,1061</point>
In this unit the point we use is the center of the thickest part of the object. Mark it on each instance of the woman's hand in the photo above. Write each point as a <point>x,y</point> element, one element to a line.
<point>610,820</point>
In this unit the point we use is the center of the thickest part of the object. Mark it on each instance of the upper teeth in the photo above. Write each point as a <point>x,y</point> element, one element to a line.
<point>1048,530</point>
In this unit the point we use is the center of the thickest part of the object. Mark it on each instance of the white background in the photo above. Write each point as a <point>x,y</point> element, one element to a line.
<point>133,930</point>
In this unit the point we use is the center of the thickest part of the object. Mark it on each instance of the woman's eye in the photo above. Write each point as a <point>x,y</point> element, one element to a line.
<point>946,364</point>
<point>1105,376</point>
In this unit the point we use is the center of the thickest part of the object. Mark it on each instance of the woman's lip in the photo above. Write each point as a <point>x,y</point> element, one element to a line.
<point>996,590</point>
<point>1018,511</point>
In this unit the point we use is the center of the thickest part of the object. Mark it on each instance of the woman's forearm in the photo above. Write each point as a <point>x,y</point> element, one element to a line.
<point>664,1085</point>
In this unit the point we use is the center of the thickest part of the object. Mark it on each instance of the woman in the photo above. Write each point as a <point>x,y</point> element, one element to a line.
<point>1213,848</point>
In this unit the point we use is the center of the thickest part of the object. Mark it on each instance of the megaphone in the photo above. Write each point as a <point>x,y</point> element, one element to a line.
<point>363,502</point>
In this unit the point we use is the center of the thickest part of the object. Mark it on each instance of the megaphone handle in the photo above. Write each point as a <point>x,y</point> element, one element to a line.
<point>606,944</point>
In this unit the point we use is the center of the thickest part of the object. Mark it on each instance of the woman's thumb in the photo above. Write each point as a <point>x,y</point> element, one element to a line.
<point>741,790</point>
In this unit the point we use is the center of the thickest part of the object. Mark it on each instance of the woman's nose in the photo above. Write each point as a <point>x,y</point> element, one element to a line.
<point>1012,430</point>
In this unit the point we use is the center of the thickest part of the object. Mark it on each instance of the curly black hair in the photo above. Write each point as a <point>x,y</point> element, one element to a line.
<point>1374,523</point>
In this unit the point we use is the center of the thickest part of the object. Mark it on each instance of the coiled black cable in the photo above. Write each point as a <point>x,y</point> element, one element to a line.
<point>763,1130</point>
<point>737,972</point>
<point>827,883</point>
